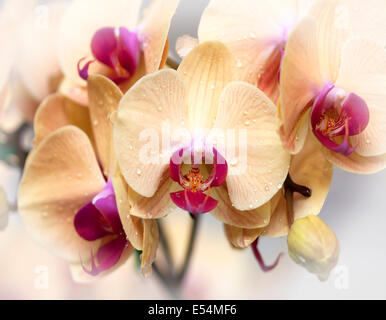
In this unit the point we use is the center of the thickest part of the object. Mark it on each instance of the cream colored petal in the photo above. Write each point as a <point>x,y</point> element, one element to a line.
<point>363,72</point>
<point>103,99</point>
<point>364,18</point>
<point>80,22</point>
<point>125,198</point>
<point>37,56</point>
<point>206,70</point>
<point>254,178</point>
<point>309,168</point>
<point>225,212</point>
<point>334,27</point>
<point>295,141</point>
<point>300,77</point>
<point>74,91</point>
<point>154,30</point>
<point>241,238</point>
<point>57,111</point>
<point>158,206</point>
<point>150,246</point>
<point>60,177</point>
<point>185,44</point>
<point>154,102</point>
<point>356,163</point>
<point>250,29</point>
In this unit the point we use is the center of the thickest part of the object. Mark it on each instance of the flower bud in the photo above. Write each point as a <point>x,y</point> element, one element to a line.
<point>313,245</point>
<point>3,210</point>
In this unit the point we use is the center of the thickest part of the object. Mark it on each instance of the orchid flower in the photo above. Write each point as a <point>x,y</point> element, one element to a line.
<point>332,80</point>
<point>66,197</point>
<point>196,98</point>
<point>255,31</point>
<point>105,37</point>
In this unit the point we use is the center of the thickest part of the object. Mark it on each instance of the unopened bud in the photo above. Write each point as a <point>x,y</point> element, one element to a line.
<point>313,245</point>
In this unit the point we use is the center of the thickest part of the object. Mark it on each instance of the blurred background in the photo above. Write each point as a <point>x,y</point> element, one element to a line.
<point>355,210</point>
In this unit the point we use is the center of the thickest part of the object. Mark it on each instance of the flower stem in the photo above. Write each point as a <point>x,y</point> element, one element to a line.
<point>188,256</point>
<point>171,279</point>
<point>172,63</point>
<point>290,187</point>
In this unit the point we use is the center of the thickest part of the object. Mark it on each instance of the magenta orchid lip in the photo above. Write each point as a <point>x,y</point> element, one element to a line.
<point>192,198</point>
<point>117,48</point>
<point>97,220</point>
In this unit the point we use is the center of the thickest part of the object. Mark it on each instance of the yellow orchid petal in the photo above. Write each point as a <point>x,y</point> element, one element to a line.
<point>295,141</point>
<point>185,44</point>
<point>250,29</point>
<point>74,91</point>
<point>241,238</point>
<point>150,246</point>
<point>253,181</point>
<point>207,69</point>
<point>125,197</point>
<point>154,30</point>
<point>79,24</point>
<point>334,27</point>
<point>312,244</point>
<point>356,163</point>
<point>311,169</point>
<point>37,59</point>
<point>300,75</point>
<point>364,18</point>
<point>158,206</point>
<point>3,210</point>
<point>155,101</point>
<point>60,177</point>
<point>57,111</point>
<point>226,213</point>
<point>363,72</point>
<point>103,97</point>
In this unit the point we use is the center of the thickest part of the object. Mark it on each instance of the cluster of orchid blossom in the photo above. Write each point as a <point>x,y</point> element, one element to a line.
<point>301,82</point>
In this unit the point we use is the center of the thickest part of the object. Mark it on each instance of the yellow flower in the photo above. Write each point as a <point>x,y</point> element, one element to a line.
<point>92,30</point>
<point>313,245</point>
<point>201,95</point>
<point>332,80</point>
<point>68,172</point>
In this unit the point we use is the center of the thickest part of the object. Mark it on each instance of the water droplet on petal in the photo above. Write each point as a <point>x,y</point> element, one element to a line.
<point>139,172</point>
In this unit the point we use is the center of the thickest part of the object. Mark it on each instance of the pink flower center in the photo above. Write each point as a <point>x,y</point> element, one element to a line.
<point>336,116</point>
<point>193,198</point>
<point>116,48</point>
